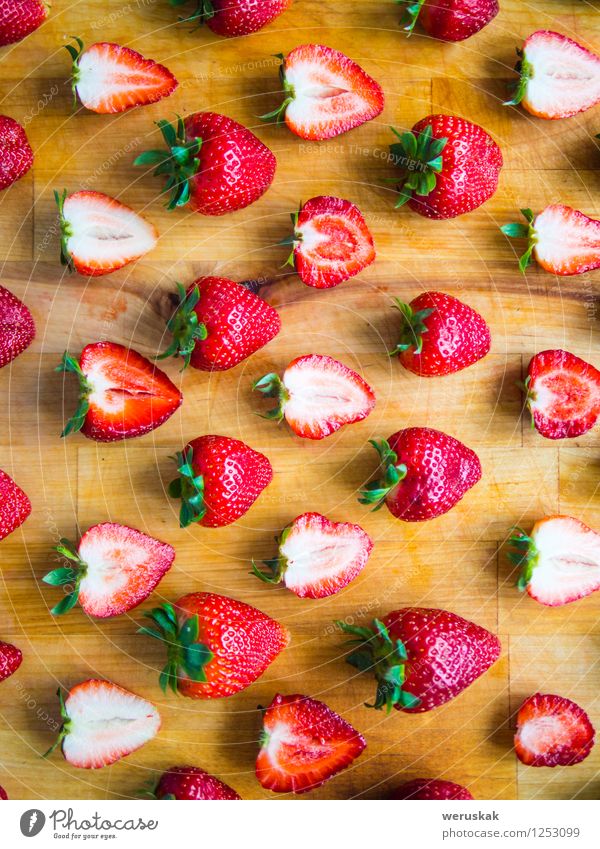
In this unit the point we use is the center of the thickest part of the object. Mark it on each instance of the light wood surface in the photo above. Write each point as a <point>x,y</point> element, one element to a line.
<point>455,561</point>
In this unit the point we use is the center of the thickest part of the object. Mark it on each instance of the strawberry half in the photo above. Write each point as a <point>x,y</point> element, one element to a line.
<point>19,18</point>
<point>559,77</point>
<point>232,18</point>
<point>326,93</point>
<point>552,731</point>
<point>103,723</point>
<point>562,393</point>
<point>432,789</point>
<point>317,395</point>
<point>190,783</point>
<point>99,234</point>
<point>115,569</point>
<point>449,20</point>
<point>109,78</point>
<point>331,242</point>
<point>16,155</point>
<point>121,393</point>
<point>303,744</point>
<point>317,557</point>
<point>559,560</point>
<point>17,328</point>
<point>10,659</point>
<point>15,507</point>
<point>561,239</point>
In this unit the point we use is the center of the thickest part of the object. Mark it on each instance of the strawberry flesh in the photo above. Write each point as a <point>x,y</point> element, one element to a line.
<point>15,507</point>
<point>16,155</point>
<point>17,328</point>
<point>192,783</point>
<point>566,241</point>
<point>432,789</point>
<point>552,731</point>
<point>10,659</point>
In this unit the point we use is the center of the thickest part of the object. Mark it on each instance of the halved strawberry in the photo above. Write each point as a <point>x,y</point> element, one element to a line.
<point>115,569</point>
<point>121,393</point>
<point>99,234</point>
<point>326,93</point>
<point>562,394</point>
<point>552,731</point>
<point>317,557</point>
<point>103,723</point>
<point>317,396</point>
<point>331,242</point>
<point>303,743</point>
<point>109,78</point>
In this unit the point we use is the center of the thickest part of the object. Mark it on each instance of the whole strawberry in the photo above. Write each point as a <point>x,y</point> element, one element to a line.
<point>449,20</point>
<point>421,657</point>
<point>432,789</point>
<point>19,18</point>
<point>440,335</point>
<point>211,162</point>
<point>17,328</point>
<point>16,155</point>
<point>190,783</point>
<point>15,507</point>
<point>10,659</point>
<point>450,166</point>
<point>216,646</point>
<point>231,18</point>
<point>426,472</point>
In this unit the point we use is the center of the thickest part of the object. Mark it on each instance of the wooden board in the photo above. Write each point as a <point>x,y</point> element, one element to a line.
<point>452,562</point>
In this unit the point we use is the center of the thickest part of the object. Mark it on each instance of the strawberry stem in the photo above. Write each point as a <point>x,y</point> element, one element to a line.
<point>65,231</point>
<point>277,116</point>
<point>189,487</point>
<point>523,554</point>
<point>64,728</point>
<point>276,566</point>
<point>75,53</point>
<point>65,576</point>
<point>185,326</point>
<point>413,327</point>
<point>179,163</point>
<point>516,230</point>
<point>525,70</point>
<point>75,423</point>
<point>412,10</point>
<point>420,159</point>
<point>272,386</point>
<point>377,491</point>
<point>203,12</point>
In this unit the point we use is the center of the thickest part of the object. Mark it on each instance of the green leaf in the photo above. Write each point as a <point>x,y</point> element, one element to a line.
<point>58,577</point>
<point>65,604</point>
<point>515,230</point>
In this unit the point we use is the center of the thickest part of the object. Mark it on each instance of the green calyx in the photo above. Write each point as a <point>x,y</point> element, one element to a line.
<point>375,651</point>
<point>75,423</point>
<point>530,396</point>
<point>523,553</point>
<point>189,487</point>
<point>71,575</point>
<point>65,231</point>
<point>393,473</point>
<point>518,88</point>
<point>204,11</point>
<point>179,163</point>
<point>277,116</point>
<point>271,386</point>
<point>276,566</point>
<point>411,12</point>
<point>64,728</point>
<point>516,230</point>
<point>293,240</point>
<point>186,327</point>
<point>413,327</point>
<point>420,158</point>
<point>184,653</point>
<point>75,53</point>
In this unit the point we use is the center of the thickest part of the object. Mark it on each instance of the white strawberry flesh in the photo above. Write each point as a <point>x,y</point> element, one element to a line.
<point>568,561</point>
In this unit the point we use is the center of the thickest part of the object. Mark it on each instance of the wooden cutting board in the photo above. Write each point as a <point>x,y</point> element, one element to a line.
<point>453,562</point>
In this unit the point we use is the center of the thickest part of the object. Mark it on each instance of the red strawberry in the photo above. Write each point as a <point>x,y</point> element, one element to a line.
<point>190,783</point>
<point>99,234</point>
<point>559,560</point>
<point>17,328</point>
<point>121,393</point>
<point>421,658</point>
<point>440,335</point>
<point>449,20</point>
<point>318,558</point>
<point>559,77</point>
<point>561,239</point>
<point>19,18</point>
<point>317,395</point>
<point>562,393</point>
<point>431,788</point>
<point>331,242</point>
<point>10,659</point>
<point>216,646</point>
<point>219,323</point>
<point>426,472</point>
<point>303,744</point>
<point>15,507</point>
<point>115,569</point>
<point>3,793</point>
<point>552,731</point>
<point>211,162</point>
<point>450,166</point>
<point>219,480</point>
<point>326,93</point>
<point>16,155</point>
<point>103,723</point>
<point>232,18</point>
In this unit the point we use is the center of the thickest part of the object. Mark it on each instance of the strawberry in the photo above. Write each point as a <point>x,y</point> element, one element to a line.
<point>15,507</point>
<point>219,480</point>
<point>190,783</point>
<point>558,77</point>
<point>303,744</point>
<point>109,78</point>
<point>317,395</point>
<point>218,324</point>
<point>99,234</point>
<point>331,242</point>
<point>121,393</point>
<point>232,18</point>
<point>440,335</point>
<point>3,793</point>
<point>115,569</point>
<point>421,658</point>
<point>426,472</point>
<point>559,560</point>
<point>431,789</point>
<point>211,162</point>
<point>450,166</point>
<point>325,93</point>
<point>317,557</point>
<point>10,659</point>
<point>561,239</point>
<point>19,18</point>
<point>552,731</point>
<point>449,20</point>
<point>103,723</point>
<point>562,393</point>
<point>216,646</point>
<point>17,328</point>
<point>16,155</point>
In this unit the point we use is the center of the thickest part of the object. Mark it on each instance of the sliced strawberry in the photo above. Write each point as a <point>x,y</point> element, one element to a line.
<point>15,506</point>
<point>431,788</point>
<point>317,557</point>
<point>552,731</point>
<point>303,744</point>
